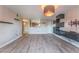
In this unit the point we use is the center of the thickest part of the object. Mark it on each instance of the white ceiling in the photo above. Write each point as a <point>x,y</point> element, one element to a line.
<point>27,11</point>
<point>35,11</point>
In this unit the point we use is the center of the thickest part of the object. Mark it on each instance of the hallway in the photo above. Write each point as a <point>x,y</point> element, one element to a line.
<point>39,43</point>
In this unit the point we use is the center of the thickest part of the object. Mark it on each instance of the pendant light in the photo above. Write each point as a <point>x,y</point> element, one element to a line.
<point>49,10</point>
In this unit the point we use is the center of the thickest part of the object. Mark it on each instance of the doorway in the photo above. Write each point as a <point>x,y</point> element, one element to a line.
<point>25,26</point>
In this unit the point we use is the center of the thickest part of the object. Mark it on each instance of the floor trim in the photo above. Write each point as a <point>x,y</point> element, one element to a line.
<point>10,41</point>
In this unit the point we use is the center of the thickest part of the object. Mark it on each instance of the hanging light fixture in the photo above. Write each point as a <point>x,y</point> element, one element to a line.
<point>49,10</point>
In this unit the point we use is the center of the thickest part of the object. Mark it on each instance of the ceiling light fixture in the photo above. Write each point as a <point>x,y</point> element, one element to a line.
<point>55,6</point>
<point>49,10</point>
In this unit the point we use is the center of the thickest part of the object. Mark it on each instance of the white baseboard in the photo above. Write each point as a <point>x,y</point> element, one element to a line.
<point>10,41</point>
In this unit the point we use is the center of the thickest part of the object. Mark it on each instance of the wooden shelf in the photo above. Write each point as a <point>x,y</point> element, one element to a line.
<point>6,22</point>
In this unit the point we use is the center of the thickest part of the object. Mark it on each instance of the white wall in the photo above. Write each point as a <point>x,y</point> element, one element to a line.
<point>8,32</point>
<point>40,30</point>
<point>72,14</point>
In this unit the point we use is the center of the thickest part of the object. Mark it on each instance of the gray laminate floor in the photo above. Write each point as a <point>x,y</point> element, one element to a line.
<point>39,43</point>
